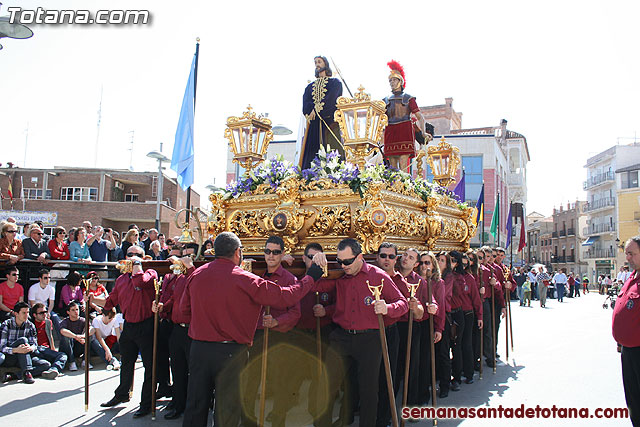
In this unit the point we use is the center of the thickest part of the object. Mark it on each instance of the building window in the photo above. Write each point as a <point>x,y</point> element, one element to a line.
<point>79,194</point>
<point>130,197</point>
<point>35,194</point>
<point>629,179</point>
<point>473,176</point>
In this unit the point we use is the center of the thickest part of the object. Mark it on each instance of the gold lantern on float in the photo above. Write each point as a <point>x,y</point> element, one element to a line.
<point>362,122</point>
<point>444,160</point>
<point>249,136</point>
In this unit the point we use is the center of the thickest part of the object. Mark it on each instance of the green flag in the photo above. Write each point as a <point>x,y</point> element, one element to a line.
<point>495,219</point>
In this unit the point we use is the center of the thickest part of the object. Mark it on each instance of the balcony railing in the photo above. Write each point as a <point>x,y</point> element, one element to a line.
<point>600,253</point>
<point>600,228</point>
<point>562,233</point>
<point>599,204</point>
<point>554,235</point>
<point>571,232</point>
<point>597,180</point>
<point>571,258</point>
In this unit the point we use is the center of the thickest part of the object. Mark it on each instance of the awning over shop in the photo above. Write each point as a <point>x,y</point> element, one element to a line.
<point>590,241</point>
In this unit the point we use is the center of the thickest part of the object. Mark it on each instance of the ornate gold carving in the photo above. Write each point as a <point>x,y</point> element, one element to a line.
<point>331,220</point>
<point>318,92</point>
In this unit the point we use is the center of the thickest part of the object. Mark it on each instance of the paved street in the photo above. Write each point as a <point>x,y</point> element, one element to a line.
<point>564,355</point>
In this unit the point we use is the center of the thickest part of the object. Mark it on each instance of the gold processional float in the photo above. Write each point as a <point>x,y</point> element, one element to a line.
<point>336,199</point>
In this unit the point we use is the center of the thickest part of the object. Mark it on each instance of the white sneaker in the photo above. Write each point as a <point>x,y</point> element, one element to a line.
<point>115,364</point>
<point>73,366</point>
<point>50,374</point>
<point>90,365</point>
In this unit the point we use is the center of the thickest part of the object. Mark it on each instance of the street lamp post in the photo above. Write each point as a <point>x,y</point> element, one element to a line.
<point>160,158</point>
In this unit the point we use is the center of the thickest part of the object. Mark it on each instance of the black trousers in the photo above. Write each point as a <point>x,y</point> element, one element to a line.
<point>393,345</point>
<point>179,348</point>
<point>467,344</point>
<point>424,373</point>
<point>487,331</point>
<point>162,356</point>
<point>136,338</point>
<point>631,381</point>
<point>364,351</point>
<point>458,319</point>
<point>414,361</point>
<point>477,332</point>
<point>443,356</point>
<point>214,366</point>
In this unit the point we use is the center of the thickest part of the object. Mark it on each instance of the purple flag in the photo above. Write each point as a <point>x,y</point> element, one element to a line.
<point>459,190</point>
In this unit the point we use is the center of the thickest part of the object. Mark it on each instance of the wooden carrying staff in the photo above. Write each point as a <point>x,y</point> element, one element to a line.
<point>481,330</point>
<point>86,346</point>
<point>493,322</point>
<point>412,292</point>
<point>263,373</point>
<point>433,355</point>
<point>157,285</point>
<point>377,291</point>
<point>506,323</point>
<point>318,340</point>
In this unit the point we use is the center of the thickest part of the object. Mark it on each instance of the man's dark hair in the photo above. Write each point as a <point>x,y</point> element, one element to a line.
<point>350,243</point>
<point>71,304</point>
<point>313,245</point>
<point>109,313</point>
<point>327,68</point>
<point>193,246</point>
<point>387,245</point>
<point>276,240</point>
<point>42,272</point>
<point>10,270</point>
<point>226,244</point>
<point>132,226</point>
<point>35,307</point>
<point>19,306</point>
<point>634,239</point>
<point>73,278</point>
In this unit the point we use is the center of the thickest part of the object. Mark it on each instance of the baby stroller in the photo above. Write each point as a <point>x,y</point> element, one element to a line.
<point>612,295</point>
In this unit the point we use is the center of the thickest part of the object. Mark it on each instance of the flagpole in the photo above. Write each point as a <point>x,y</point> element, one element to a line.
<point>498,217</point>
<point>482,216</point>
<point>195,86</point>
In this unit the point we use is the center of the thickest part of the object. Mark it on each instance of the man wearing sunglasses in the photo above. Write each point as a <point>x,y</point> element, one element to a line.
<point>11,292</point>
<point>489,278</point>
<point>35,247</point>
<point>225,302</point>
<point>281,320</point>
<point>134,292</point>
<point>357,338</point>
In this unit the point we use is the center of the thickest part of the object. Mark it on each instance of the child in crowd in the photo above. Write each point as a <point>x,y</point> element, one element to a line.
<point>526,287</point>
<point>107,335</point>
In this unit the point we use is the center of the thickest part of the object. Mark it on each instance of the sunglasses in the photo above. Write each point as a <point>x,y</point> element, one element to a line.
<point>134,254</point>
<point>41,312</point>
<point>93,278</point>
<point>46,277</point>
<point>13,274</point>
<point>424,263</point>
<point>39,234</point>
<point>11,231</point>
<point>384,256</point>
<point>274,251</point>
<point>346,261</point>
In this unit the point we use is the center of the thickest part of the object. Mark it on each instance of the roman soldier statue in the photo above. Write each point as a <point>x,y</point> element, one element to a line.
<point>403,113</point>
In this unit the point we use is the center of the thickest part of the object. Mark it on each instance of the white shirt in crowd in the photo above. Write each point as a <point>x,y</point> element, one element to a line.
<point>105,329</point>
<point>37,294</point>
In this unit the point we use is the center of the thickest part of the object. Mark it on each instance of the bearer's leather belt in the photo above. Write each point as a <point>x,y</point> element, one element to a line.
<point>359,331</point>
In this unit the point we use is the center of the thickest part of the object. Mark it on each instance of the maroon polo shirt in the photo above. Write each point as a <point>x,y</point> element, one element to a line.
<point>168,283</point>
<point>459,289</point>
<point>626,313</point>
<point>448,291</point>
<point>437,295</point>
<point>471,299</point>
<point>175,293</point>
<point>135,294</point>
<point>354,301</point>
<point>499,290</point>
<point>422,294</point>
<point>287,317</point>
<point>225,301</point>
<point>307,318</point>
<point>485,273</point>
